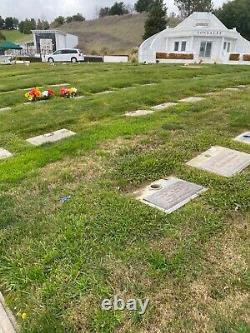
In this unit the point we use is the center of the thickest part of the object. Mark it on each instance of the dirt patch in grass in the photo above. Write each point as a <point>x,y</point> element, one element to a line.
<point>217,294</point>
<point>71,172</point>
<point>139,143</point>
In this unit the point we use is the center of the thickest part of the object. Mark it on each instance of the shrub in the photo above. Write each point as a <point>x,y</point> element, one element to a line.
<point>133,56</point>
<point>31,59</point>
<point>234,57</point>
<point>186,56</point>
<point>246,57</point>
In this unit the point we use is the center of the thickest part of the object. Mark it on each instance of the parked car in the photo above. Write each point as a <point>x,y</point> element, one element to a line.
<point>65,55</point>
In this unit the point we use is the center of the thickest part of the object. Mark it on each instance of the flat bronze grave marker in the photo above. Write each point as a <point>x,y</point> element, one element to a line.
<point>50,137</point>
<point>169,194</point>
<point>221,161</point>
<point>244,137</point>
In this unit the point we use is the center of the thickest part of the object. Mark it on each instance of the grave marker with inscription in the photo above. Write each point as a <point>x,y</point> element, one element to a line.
<point>50,137</point>
<point>244,137</point>
<point>169,194</point>
<point>4,154</point>
<point>138,113</point>
<point>163,106</point>
<point>191,99</point>
<point>221,161</point>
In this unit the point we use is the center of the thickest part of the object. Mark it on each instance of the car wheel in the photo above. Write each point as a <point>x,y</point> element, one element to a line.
<point>50,60</point>
<point>73,60</point>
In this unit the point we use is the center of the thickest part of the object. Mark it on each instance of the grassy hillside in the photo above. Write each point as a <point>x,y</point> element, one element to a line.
<point>15,36</point>
<point>118,34</point>
<point>111,34</point>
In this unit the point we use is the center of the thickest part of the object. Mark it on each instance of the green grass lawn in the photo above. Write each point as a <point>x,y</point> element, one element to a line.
<point>59,261</point>
<point>16,36</point>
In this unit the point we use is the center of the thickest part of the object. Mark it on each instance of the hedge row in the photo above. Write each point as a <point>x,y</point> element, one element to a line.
<point>31,59</point>
<point>236,57</point>
<point>246,57</point>
<point>186,56</point>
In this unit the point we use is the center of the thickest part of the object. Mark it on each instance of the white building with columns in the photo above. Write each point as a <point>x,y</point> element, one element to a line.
<point>201,37</point>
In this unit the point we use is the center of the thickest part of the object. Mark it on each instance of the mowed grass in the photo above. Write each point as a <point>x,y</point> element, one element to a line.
<point>16,36</point>
<point>58,261</point>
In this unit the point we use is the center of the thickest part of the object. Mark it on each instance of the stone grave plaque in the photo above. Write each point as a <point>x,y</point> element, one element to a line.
<point>59,85</point>
<point>105,92</point>
<point>231,89</point>
<point>244,137</point>
<point>211,93</point>
<point>4,153</point>
<point>169,194</point>
<point>192,99</point>
<point>163,106</point>
<point>50,137</point>
<point>5,109</point>
<point>128,88</point>
<point>138,113</point>
<point>221,161</point>
<point>149,84</point>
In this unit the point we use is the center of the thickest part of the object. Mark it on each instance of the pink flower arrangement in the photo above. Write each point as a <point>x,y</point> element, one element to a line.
<point>68,92</point>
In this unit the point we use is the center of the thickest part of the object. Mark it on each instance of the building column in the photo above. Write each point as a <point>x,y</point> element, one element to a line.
<point>221,55</point>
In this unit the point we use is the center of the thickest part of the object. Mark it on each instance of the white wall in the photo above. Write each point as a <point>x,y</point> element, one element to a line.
<point>66,41</point>
<point>60,41</point>
<point>115,59</point>
<point>71,41</point>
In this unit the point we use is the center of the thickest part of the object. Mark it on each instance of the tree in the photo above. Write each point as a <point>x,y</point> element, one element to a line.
<point>78,18</point>
<point>143,5</point>
<point>118,8</point>
<point>156,20</point>
<point>15,23</point>
<point>69,19</point>
<point>187,7</point>
<point>9,23</point>
<point>75,18</point>
<point>236,14</point>
<point>2,22</point>
<point>60,20</point>
<point>39,25</point>
<point>42,25</point>
<point>104,12</point>
<point>27,25</point>
<point>45,24</point>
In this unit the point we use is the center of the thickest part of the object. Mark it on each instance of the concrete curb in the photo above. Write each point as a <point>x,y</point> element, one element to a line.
<point>7,320</point>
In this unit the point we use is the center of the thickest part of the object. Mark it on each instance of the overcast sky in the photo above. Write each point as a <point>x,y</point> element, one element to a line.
<point>51,8</point>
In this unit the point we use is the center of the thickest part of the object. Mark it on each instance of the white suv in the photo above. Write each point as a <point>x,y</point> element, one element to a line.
<point>65,55</point>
